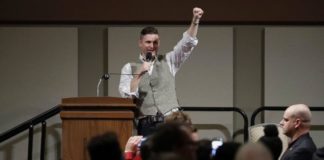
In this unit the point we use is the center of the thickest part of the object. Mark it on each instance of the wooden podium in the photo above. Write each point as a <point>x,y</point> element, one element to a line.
<point>85,117</point>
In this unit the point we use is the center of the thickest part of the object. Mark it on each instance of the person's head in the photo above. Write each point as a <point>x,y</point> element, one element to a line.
<point>174,137</point>
<point>227,151</point>
<point>253,151</point>
<point>271,140</point>
<point>149,41</point>
<point>181,117</point>
<point>178,117</point>
<point>105,146</point>
<point>146,148</point>
<point>204,149</point>
<point>296,120</point>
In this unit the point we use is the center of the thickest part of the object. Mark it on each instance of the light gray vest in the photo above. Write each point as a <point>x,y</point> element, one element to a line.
<point>156,91</point>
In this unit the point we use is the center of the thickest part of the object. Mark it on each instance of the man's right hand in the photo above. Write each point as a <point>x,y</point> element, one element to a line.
<point>135,81</point>
<point>197,13</point>
<point>145,67</point>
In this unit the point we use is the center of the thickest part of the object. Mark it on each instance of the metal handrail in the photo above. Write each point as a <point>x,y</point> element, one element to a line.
<point>276,108</point>
<point>29,124</point>
<point>233,109</point>
<point>25,125</point>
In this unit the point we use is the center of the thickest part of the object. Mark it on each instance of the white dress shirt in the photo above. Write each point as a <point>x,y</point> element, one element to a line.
<point>175,59</point>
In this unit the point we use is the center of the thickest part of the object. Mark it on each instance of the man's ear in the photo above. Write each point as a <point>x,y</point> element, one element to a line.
<point>297,122</point>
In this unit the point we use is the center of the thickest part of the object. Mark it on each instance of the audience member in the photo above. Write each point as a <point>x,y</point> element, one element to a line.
<point>178,117</point>
<point>184,118</point>
<point>227,151</point>
<point>204,149</point>
<point>132,148</point>
<point>253,151</point>
<point>296,124</point>
<point>105,146</point>
<point>271,140</point>
<point>146,148</point>
<point>133,152</point>
<point>174,137</point>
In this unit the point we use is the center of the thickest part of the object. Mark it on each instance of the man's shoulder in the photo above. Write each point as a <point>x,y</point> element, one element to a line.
<point>305,143</point>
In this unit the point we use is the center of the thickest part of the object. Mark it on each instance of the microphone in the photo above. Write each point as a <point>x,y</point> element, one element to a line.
<point>149,57</point>
<point>103,77</point>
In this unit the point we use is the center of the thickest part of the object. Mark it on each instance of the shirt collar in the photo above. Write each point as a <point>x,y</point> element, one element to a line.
<point>141,58</point>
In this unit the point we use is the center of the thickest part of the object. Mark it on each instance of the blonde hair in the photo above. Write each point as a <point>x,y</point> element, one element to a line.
<point>180,117</point>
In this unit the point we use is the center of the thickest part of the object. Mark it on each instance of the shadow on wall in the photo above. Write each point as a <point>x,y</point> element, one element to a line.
<point>53,131</point>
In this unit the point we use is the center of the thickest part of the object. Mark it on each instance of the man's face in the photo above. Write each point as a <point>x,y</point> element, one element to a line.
<point>149,43</point>
<point>288,123</point>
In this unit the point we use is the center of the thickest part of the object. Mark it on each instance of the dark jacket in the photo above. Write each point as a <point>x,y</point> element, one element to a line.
<point>319,154</point>
<point>301,149</point>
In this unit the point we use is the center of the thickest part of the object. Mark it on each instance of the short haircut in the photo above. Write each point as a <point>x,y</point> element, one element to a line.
<point>180,117</point>
<point>148,30</point>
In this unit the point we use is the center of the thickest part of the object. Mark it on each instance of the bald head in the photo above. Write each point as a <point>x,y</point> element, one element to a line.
<point>296,120</point>
<point>300,111</point>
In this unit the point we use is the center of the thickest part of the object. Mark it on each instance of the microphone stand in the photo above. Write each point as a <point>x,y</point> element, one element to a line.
<point>105,77</point>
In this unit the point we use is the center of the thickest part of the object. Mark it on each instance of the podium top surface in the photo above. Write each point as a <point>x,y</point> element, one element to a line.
<point>97,102</point>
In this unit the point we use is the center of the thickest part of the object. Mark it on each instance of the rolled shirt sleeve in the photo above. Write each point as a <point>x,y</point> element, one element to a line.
<point>125,81</point>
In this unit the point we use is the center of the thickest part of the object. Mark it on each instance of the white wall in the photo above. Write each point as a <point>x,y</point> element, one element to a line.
<point>38,67</point>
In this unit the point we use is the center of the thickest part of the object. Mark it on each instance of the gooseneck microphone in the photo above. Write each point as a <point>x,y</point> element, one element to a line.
<point>106,76</point>
<point>103,77</point>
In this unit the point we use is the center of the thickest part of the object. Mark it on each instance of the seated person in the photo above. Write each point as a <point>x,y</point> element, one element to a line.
<point>105,146</point>
<point>272,141</point>
<point>204,148</point>
<point>171,137</point>
<point>227,151</point>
